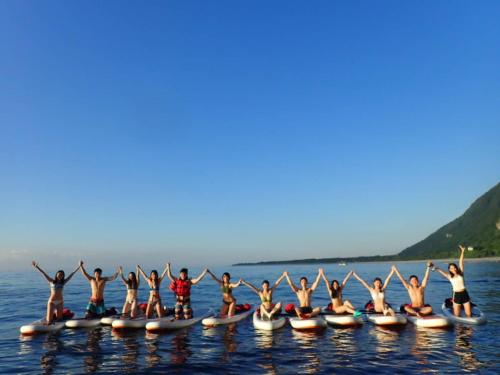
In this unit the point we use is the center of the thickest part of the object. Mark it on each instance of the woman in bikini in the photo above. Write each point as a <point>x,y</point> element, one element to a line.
<point>377,293</point>
<point>228,301</point>
<point>455,276</point>
<point>132,284</point>
<point>154,301</point>
<point>55,304</point>
<point>267,307</point>
<point>335,291</point>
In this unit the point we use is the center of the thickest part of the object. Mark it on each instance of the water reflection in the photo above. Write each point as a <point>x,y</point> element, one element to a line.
<point>309,361</point>
<point>152,344</point>
<point>464,350</point>
<point>181,348</point>
<point>386,339</point>
<point>130,351</point>
<point>93,359</point>
<point>225,335</point>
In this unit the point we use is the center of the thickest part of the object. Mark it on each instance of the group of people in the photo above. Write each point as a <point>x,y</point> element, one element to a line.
<point>181,287</point>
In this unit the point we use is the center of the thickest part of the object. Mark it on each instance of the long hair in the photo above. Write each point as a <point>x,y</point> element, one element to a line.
<point>459,271</point>
<point>335,291</point>
<point>57,281</point>
<point>132,284</point>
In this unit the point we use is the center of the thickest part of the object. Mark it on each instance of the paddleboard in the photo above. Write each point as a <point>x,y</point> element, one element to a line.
<point>83,323</point>
<point>308,324</point>
<point>41,326</point>
<point>477,317</point>
<point>387,320</point>
<point>108,320</point>
<point>215,321</point>
<point>170,323</point>
<point>127,323</point>
<point>268,325</point>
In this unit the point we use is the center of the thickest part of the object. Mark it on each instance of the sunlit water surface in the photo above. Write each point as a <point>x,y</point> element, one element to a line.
<point>241,349</point>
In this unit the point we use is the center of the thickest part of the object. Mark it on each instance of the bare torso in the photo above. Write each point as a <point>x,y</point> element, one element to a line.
<point>304,296</point>
<point>266,298</point>
<point>97,288</point>
<point>416,296</point>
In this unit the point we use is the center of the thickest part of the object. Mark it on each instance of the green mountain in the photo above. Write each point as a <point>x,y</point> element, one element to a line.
<point>478,227</point>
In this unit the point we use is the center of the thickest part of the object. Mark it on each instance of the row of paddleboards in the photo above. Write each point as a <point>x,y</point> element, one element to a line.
<point>208,319</point>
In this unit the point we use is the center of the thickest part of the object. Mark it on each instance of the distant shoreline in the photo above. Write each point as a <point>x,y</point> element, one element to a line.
<point>319,261</point>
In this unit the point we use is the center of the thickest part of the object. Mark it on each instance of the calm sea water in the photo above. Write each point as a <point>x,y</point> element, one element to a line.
<point>241,349</point>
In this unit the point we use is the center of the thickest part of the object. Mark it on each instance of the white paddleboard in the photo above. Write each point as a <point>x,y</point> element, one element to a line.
<point>430,321</point>
<point>215,321</point>
<point>387,320</point>
<point>170,323</point>
<point>268,325</point>
<point>308,324</point>
<point>83,323</point>
<point>127,323</point>
<point>40,326</point>
<point>108,320</point>
<point>477,317</point>
<point>343,320</point>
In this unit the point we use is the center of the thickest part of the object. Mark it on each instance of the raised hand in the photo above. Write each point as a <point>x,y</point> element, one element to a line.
<point>81,263</point>
<point>462,248</point>
<point>35,264</point>
<point>120,270</point>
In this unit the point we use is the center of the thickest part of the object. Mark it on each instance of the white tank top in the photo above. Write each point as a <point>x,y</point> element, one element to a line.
<point>457,283</point>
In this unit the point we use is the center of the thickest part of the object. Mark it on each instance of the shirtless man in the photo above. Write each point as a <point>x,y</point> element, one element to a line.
<point>96,306</point>
<point>305,311</point>
<point>416,292</point>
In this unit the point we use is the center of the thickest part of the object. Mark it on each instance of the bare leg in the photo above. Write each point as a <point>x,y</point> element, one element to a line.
<point>275,309</point>
<point>133,310</point>
<point>343,309</point>
<point>456,309</point>
<point>468,309</point>
<point>389,311</point>
<point>224,309</point>
<point>316,311</point>
<point>126,308</point>
<point>349,304</point>
<point>159,310</point>
<point>59,311</point>
<point>50,313</point>
<point>426,310</point>
<point>149,310</point>
<point>297,311</point>
<point>264,313</point>
<point>232,308</point>
<point>410,310</point>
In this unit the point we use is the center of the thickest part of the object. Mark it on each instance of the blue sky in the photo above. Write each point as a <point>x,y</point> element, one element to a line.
<point>218,132</point>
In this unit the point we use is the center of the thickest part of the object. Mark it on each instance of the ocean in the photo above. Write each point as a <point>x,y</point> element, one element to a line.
<point>240,348</point>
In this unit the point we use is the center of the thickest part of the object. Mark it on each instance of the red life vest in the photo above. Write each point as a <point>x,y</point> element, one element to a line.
<point>181,287</point>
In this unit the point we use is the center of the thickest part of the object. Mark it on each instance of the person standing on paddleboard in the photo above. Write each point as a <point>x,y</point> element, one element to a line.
<point>96,307</point>
<point>377,292</point>
<point>228,301</point>
<point>456,278</point>
<point>267,307</point>
<point>416,292</point>
<point>154,301</point>
<point>304,311</point>
<point>132,283</point>
<point>55,304</point>
<point>338,306</point>
<point>181,286</point>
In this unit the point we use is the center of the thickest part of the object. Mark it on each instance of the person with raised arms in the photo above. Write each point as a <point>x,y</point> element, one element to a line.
<point>154,301</point>
<point>335,290</point>
<point>304,311</point>
<point>228,301</point>
<point>96,307</point>
<point>132,283</point>
<point>416,292</point>
<point>55,303</point>
<point>455,276</point>
<point>377,292</point>
<point>267,308</point>
<point>181,286</point>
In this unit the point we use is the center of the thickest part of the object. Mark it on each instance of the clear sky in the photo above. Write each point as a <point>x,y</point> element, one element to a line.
<point>212,132</point>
